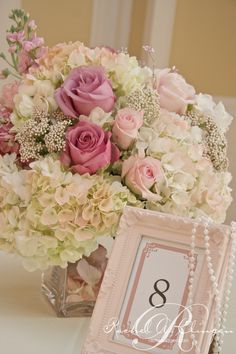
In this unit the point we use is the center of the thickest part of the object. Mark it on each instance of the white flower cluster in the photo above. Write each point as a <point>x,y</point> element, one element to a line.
<point>52,217</point>
<point>145,137</point>
<point>191,186</point>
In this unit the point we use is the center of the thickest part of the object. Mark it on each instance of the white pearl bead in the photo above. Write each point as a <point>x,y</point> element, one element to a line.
<point>209,266</point>
<point>231,271</point>
<point>211,271</point>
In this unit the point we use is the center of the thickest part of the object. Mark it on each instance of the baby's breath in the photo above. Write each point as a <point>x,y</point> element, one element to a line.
<point>145,99</point>
<point>43,133</point>
<point>215,140</point>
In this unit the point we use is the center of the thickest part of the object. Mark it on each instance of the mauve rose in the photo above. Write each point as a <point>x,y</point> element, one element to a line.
<point>125,128</point>
<point>88,148</point>
<point>140,174</point>
<point>84,89</point>
<point>175,93</point>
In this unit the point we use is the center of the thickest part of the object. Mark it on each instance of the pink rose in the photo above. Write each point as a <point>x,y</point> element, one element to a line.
<point>175,93</point>
<point>140,174</point>
<point>88,148</point>
<point>7,95</point>
<point>84,89</point>
<point>126,125</point>
<point>7,138</point>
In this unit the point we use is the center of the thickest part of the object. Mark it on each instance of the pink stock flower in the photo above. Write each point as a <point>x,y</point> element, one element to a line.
<point>88,148</point>
<point>126,125</point>
<point>15,37</point>
<point>4,112</point>
<point>33,44</point>
<point>84,89</point>
<point>7,138</point>
<point>175,93</point>
<point>12,48</point>
<point>24,62</point>
<point>7,95</point>
<point>32,25</point>
<point>140,175</point>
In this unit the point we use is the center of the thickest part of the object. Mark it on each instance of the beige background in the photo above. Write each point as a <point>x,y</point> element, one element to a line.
<point>202,46</point>
<point>61,21</point>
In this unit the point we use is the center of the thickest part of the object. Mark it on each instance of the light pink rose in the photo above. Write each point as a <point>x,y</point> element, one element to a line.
<point>126,125</point>
<point>88,148</point>
<point>7,138</point>
<point>7,95</point>
<point>86,88</point>
<point>140,174</point>
<point>175,93</point>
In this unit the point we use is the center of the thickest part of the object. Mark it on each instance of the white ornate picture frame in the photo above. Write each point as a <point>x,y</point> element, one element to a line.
<point>144,304</point>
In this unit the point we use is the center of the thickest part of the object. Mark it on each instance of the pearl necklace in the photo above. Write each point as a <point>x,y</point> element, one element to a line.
<point>191,278</point>
<point>220,307</point>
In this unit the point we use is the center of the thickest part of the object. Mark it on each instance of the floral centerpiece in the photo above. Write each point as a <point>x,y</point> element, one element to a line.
<point>85,132</point>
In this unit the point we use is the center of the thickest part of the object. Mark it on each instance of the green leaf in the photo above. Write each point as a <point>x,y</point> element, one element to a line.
<point>6,72</point>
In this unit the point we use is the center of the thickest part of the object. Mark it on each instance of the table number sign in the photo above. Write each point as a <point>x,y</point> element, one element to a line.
<point>156,287</point>
<point>157,294</point>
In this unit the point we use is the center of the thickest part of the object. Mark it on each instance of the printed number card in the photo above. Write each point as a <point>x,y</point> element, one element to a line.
<point>149,300</point>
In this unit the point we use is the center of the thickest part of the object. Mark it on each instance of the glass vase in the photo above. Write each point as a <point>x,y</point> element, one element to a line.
<point>73,291</point>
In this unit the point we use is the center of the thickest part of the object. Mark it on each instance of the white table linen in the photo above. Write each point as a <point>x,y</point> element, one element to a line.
<point>28,324</point>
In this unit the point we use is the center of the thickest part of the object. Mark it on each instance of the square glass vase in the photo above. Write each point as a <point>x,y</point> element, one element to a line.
<point>72,291</point>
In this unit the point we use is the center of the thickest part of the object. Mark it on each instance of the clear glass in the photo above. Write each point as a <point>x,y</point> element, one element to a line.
<point>73,291</point>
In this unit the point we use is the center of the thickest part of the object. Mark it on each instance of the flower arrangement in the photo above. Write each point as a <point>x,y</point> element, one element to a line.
<point>85,132</point>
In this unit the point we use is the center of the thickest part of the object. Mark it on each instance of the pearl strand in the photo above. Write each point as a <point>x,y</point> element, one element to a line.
<point>218,312</point>
<point>228,286</point>
<point>220,308</point>
<point>191,277</point>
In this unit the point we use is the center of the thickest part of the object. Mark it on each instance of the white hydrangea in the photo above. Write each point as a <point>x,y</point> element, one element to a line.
<point>206,104</point>
<point>191,187</point>
<point>51,217</point>
<point>33,92</point>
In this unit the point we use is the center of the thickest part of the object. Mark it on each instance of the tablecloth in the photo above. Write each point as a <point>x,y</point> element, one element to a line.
<point>28,324</point>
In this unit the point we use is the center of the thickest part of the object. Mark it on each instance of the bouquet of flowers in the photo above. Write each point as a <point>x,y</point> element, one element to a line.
<point>85,132</point>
